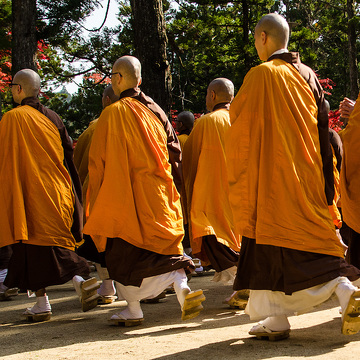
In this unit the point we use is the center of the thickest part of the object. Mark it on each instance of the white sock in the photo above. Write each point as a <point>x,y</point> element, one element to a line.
<point>277,323</point>
<point>3,288</point>
<point>133,311</point>
<point>107,288</point>
<point>42,305</point>
<point>343,291</point>
<point>3,273</point>
<point>181,287</point>
<point>77,280</point>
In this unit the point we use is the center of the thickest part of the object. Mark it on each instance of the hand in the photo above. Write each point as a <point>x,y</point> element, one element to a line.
<point>346,107</point>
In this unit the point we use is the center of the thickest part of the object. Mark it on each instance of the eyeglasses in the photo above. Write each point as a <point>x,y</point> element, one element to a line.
<point>12,84</point>
<point>111,74</point>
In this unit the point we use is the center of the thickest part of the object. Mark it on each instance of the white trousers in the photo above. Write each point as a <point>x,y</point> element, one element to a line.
<point>265,303</point>
<point>152,286</point>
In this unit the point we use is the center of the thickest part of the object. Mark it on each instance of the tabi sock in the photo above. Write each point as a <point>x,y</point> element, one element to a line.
<point>42,305</point>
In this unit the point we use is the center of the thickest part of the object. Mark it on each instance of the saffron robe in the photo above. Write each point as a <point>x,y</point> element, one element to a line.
<point>206,182</point>
<point>36,190</point>
<point>173,144</point>
<point>274,162</point>
<point>350,170</point>
<point>81,152</point>
<point>67,145</point>
<point>182,140</point>
<point>131,193</point>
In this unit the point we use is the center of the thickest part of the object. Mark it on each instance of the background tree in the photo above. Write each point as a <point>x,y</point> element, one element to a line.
<point>150,41</point>
<point>23,35</point>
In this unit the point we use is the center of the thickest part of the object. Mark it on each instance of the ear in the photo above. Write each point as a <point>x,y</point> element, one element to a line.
<point>140,81</point>
<point>107,101</point>
<point>264,37</point>
<point>213,95</point>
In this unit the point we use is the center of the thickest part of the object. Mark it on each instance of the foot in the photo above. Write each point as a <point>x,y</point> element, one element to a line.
<point>238,299</point>
<point>351,315</point>
<point>87,291</point>
<point>131,316</point>
<point>192,305</point>
<point>261,331</point>
<point>6,293</point>
<point>41,311</point>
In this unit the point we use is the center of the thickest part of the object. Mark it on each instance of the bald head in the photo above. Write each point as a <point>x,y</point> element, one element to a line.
<point>28,84</point>
<point>129,74</point>
<point>109,96</point>
<point>276,26</point>
<point>220,90</point>
<point>271,34</point>
<point>187,119</point>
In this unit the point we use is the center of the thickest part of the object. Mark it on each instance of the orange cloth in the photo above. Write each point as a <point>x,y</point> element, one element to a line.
<point>182,140</point>
<point>206,182</point>
<point>36,192</point>
<point>81,151</point>
<point>334,208</point>
<point>274,163</point>
<point>81,158</point>
<point>350,170</point>
<point>131,193</point>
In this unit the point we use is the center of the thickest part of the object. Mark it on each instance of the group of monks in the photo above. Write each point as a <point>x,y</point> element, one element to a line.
<point>249,190</point>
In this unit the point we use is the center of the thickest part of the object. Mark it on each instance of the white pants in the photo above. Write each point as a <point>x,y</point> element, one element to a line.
<point>265,303</point>
<point>152,286</point>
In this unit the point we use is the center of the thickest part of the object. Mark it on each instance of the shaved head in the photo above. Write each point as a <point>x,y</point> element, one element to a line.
<point>276,27</point>
<point>109,92</point>
<point>223,87</point>
<point>129,69</point>
<point>29,81</point>
<point>187,119</point>
<point>220,90</point>
<point>108,97</point>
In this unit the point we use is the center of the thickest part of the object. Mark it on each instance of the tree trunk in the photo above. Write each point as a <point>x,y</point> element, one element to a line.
<point>150,48</point>
<point>24,42</point>
<point>353,68</point>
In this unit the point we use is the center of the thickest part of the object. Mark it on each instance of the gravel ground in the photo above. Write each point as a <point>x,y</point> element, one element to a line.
<point>218,333</point>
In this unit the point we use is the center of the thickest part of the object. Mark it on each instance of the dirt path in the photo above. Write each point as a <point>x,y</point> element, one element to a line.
<point>218,333</point>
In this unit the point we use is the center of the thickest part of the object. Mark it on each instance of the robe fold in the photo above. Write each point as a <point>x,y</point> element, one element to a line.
<point>274,163</point>
<point>350,170</point>
<point>81,152</point>
<point>206,183</point>
<point>131,193</point>
<point>37,201</point>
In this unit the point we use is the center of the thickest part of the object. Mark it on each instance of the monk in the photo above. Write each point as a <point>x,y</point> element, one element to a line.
<point>350,184</point>
<point>184,124</point>
<point>38,200</point>
<point>173,144</point>
<point>81,159</point>
<point>290,257</point>
<point>133,208</point>
<point>212,234</point>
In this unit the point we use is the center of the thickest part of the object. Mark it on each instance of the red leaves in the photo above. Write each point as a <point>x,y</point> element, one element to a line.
<point>335,120</point>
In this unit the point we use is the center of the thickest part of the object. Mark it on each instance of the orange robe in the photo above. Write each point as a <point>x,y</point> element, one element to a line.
<point>131,193</point>
<point>36,192</point>
<point>274,162</point>
<point>182,140</point>
<point>206,182</point>
<point>350,170</point>
<point>81,151</point>
<point>81,157</point>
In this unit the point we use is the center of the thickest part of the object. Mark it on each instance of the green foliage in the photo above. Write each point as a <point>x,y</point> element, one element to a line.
<point>79,109</point>
<point>207,40</point>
